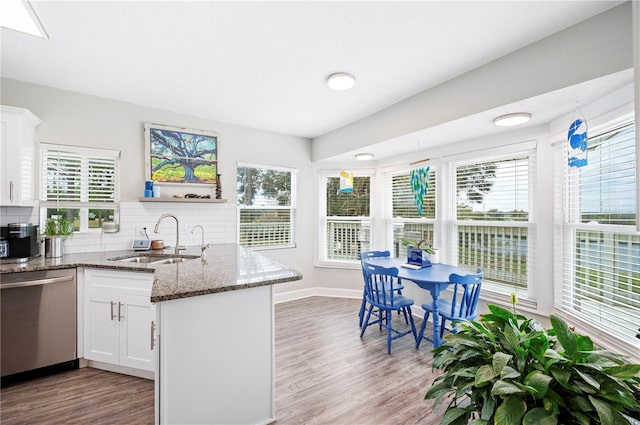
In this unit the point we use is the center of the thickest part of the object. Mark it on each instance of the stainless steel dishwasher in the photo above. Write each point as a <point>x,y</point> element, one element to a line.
<point>39,320</point>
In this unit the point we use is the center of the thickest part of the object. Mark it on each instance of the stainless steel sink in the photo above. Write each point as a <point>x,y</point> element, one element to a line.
<point>154,259</point>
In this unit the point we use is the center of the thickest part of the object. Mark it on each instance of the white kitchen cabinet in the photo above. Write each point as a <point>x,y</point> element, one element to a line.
<point>17,156</point>
<point>119,318</point>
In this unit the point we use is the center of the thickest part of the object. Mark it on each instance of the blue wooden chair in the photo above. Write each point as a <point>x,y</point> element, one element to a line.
<point>397,285</point>
<point>466,292</point>
<point>377,280</point>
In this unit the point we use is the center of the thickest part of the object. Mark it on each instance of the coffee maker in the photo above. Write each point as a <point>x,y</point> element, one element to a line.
<point>23,241</point>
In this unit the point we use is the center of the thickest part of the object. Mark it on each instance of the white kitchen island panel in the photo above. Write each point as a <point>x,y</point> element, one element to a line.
<point>216,358</point>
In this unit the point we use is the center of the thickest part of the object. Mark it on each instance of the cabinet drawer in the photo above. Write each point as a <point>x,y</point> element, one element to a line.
<point>121,282</point>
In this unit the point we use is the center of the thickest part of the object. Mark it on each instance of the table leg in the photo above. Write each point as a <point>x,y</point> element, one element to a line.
<point>436,319</point>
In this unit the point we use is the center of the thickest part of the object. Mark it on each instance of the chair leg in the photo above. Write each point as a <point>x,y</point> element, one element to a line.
<point>421,334</point>
<point>404,311</point>
<point>366,322</point>
<point>362,308</point>
<point>442,327</point>
<point>413,325</point>
<point>388,316</point>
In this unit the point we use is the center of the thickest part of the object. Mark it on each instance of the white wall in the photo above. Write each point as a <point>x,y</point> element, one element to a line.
<point>83,120</point>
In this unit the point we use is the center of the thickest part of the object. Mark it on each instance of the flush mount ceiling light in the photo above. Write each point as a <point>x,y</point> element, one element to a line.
<point>18,15</point>
<point>364,156</point>
<point>510,120</point>
<point>341,81</point>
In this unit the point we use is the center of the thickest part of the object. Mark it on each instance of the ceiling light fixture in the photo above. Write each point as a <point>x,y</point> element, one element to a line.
<point>341,81</point>
<point>18,15</point>
<point>364,156</point>
<point>510,120</point>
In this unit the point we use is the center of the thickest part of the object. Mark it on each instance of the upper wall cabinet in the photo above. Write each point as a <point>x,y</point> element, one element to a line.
<point>17,156</point>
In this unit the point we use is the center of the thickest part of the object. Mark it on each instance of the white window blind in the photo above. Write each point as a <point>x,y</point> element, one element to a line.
<point>73,177</point>
<point>266,206</point>
<point>405,222</point>
<point>345,220</point>
<point>82,184</point>
<point>494,224</point>
<point>599,276</point>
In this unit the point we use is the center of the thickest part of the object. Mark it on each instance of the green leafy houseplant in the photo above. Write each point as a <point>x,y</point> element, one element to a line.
<point>423,245</point>
<point>507,369</point>
<point>58,227</point>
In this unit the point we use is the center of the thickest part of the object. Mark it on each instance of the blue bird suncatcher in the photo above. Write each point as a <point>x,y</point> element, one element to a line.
<point>577,144</point>
<point>420,185</point>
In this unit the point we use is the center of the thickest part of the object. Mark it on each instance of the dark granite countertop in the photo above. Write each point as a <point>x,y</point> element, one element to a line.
<point>227,267</point>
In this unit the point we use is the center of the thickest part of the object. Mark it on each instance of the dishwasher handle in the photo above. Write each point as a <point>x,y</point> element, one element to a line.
<point>36,282</point>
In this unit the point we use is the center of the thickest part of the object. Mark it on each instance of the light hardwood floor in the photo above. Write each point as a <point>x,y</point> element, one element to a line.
<point>325,374</point>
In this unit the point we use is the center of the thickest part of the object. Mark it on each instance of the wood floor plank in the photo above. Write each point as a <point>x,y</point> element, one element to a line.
<point>325,374</point>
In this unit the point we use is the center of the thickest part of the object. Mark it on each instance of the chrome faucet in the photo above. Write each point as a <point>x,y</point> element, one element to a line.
<point>203,246</point>
<point>162,217</point>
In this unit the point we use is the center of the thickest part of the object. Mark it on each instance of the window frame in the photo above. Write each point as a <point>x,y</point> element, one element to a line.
<point>83,205</point>
<point>322,259</point>
<point>496,291</point>
<point>569,223</point>
<point>292,207</point>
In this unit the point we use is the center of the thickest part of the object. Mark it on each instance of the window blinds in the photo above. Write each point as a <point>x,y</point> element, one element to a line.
<point>599,277</point>
<point>494,229</point>
<point>79,177</point>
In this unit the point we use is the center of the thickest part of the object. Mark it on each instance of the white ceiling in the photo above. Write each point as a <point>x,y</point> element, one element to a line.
<point>264,64</point>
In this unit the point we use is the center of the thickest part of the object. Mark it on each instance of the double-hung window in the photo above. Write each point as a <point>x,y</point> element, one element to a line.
<point>598,277</point>
<point>345,219</point>
<point>402,213</point>
<point>81,184</point>
<point>266,198</point>
<point>494,222</point>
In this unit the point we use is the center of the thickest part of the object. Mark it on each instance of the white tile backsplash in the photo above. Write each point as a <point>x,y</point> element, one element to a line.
<point>218,221</point>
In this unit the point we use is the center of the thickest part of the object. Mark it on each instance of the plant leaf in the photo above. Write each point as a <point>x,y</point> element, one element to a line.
<point>566,338</point>
<point>588,379</point>
<point>452,414</point>
<point>539,416</point>
<point>625,371</point>
<point>500,360</point>
<point>484,374</point>
<point>607,414</point>
<point>509,373</point>
<point>488,408</point>
<point>500,312</point>
<point>561,375</point>
<point>539,381</point>
<point>511,410</point>
<point>505,388</point>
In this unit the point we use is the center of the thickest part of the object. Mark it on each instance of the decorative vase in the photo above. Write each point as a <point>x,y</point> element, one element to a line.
<point>218,187</point>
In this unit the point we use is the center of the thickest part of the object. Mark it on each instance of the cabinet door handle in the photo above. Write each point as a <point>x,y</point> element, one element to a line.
<point>120,316</point>
<point>113,316</point>
<point>153,331</point>
<point>11,191</point>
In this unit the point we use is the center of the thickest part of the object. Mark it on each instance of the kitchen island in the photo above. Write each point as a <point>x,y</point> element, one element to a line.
<point>214,339</point>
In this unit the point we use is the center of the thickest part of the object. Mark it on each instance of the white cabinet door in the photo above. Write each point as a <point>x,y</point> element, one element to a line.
<point>136,332</point>
<point>17,140</point>
<point>101,328</point>
<point>119,317</point>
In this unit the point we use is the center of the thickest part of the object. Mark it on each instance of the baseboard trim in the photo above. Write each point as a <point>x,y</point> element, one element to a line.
<point>318,291</point>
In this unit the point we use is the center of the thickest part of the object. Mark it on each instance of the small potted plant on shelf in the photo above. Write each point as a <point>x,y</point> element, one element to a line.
<point>507,369</point>
<point>56,229</point>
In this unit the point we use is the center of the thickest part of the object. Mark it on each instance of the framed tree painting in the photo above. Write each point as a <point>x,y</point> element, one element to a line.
<point>180,155</point>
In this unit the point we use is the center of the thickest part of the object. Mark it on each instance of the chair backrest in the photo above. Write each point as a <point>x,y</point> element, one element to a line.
<point>364,256</point>
<point>377,281</point>
<point>466,292</point>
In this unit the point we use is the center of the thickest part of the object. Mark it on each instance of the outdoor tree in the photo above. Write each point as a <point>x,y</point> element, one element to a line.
<point>475,181</point>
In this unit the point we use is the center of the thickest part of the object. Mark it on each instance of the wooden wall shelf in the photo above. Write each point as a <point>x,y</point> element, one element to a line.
<point>184,200</point>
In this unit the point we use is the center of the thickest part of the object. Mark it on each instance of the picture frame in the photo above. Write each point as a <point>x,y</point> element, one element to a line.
<point>178,155</point>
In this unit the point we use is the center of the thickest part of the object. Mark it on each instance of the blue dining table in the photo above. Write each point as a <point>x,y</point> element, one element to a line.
<point>434,279</point>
